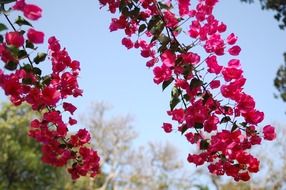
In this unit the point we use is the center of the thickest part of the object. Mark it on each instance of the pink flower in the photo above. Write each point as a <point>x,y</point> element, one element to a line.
<point>69,107</point>
<point>244,176</point>
<point>221,28</point>
<point>234,50</point>
<point>168,58</point>
<point>127,43</point>
<point>162,73</point>
<point>14,38</point>
<point>184,7</point>
<point>194,32</point>
<point>191,58</point>
<point>51,96</point>
<point>167,127</point>
<point>231,73</point>
<point>35,36</point>
<point>231,39</point>
<point>178,115</point>
<point>214,84</point>
<point>234,63</point>
<point>246,103</point>
<point>170,18</point>
<point>211,2</point>
<point>211,124</point>
<point>32,12</point>
<point>214,67</point>
<point>83,136</point>
<point>253,117</point>
<point>197,159</point>
<point>146,53</point>
<point>269,132</point>
<point>19,5</point>
<point>72,121</point>
<point>253,165</point>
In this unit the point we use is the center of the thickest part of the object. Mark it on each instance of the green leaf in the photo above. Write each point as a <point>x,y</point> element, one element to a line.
<point>1,39</point>
<point>37,71</point>
<point>186,97</point>
<point>27,81</point>
<point>63,146</point>
<point>29,45</point>
<point>142,27</point>
<point>204,144</point>
<point>174,46</point>
<point>21,21</point>
<point>206,97</point>
<point>174,101</point>
<point>6,1</point>
<point>40,58</point>
<point>198,125</point>
<point>234,127</point>
<point>225,119</point>
<point>175,92</point>
<point>166,84</point>
<point>164,41</point>
<point>244,124</point>
<point>46,80</point>
<point>157,30</point>
<point>164,6</point>
<point>135,12</point>
<point>27,68</point>
<point>13,50</point>
<point>22,54</point>
<point>11,66</point>
<point>195,82</point>
<point>153,21</point>
<point>3,27</point>
<point>184,128</point>
<point>122,5</point>
<point>125,11</point>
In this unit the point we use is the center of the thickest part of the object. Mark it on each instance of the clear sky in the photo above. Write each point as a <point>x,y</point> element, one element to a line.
<point>113,74</point>
<point>118,76</point>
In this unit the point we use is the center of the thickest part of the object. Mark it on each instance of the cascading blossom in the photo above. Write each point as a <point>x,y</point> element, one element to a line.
<point>224,126</point>
<point>214,111</point>
<point>24,82</point>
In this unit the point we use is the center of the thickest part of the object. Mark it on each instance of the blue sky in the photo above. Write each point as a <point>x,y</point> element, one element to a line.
<point>118,76</point>
<point>113,74</point>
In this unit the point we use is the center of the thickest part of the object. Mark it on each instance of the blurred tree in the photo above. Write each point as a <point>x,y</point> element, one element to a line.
<point>159,169</point>
<point>20,165</point>
<point>280,80</point>
<point>153,167</point>
<point>236,186</point>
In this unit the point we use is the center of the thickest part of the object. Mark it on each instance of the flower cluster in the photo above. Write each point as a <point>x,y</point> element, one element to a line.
<point>207,98</point>
<point>23,81</point>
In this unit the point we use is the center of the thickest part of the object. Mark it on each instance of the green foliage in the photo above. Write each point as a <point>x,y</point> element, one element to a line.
<point>239,186</point>
<point>20,162</point>
<point>280,80</point>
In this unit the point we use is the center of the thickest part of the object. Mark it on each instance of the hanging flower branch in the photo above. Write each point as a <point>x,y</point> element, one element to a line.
<point>22,80</point>
<point>184,47</point>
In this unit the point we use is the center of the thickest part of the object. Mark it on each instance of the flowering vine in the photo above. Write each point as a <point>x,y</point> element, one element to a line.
<point>208,102</point>
<point>207,98</point>
<point>23,80</point>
